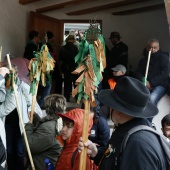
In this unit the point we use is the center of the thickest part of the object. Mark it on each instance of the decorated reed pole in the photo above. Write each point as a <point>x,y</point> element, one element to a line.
<point>147,68</point>
<point>19,112</point>
<point>39,68</point>
<point>91,62</point>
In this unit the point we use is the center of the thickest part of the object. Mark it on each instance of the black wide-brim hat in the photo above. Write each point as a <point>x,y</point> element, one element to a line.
<point>130,97</point>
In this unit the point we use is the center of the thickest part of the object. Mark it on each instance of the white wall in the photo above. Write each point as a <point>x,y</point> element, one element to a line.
<point>135,29</point>
<point>13,27</point>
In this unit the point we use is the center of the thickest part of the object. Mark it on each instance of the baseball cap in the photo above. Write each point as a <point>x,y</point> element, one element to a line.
<point>119,67</point>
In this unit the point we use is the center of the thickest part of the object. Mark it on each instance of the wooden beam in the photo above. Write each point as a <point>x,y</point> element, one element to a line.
<point>105,7</point>
<point>62,5</point>
<point>138,10</point>
<point>24,2</point>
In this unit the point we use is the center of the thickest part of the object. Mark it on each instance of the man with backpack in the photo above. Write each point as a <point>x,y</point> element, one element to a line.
<point>143,150</point>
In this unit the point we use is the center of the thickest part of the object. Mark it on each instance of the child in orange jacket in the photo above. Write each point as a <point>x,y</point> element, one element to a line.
<point>69,138</point>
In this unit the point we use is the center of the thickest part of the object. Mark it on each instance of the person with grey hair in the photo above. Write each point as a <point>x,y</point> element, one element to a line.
<point>157,79</point>
<point>45,131</point>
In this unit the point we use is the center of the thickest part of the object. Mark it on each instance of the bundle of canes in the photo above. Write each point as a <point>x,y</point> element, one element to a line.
<point>19,114</point>
<point>91,62</point>
<point>147,68</point>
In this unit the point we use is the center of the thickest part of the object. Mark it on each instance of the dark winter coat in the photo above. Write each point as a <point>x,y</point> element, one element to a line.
<point>143,150</point>
<point>42,141</point>
<point>100,131</point>
<point>119,55</point>
<point>158,69</point>
<point>29,49</point>
<point>67,57</point>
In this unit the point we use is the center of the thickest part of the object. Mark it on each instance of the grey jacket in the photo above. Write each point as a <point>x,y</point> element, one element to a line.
<point>42,141</point>
<point>7,99</point>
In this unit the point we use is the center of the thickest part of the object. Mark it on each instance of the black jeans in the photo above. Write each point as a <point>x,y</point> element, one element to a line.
<point>15,148</point>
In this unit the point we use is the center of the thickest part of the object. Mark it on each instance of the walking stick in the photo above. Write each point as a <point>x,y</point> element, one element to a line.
<point>91,62</point>
<point>147,68</point>
<point>83,154</point>
<point>34,100</point>
<point>20,116</point>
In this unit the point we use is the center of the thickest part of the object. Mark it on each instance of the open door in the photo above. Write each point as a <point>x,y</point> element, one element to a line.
<point>42,23</point>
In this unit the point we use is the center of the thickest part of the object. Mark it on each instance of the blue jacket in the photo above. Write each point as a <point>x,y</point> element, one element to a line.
<point>100,131</point>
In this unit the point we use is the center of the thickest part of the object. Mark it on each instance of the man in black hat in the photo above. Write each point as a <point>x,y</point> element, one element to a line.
<point>119,52</point>
<point>129,107</point>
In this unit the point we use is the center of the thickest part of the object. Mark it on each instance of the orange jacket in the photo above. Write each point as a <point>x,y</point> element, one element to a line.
<point>112,83</point>
<point>64,162</point>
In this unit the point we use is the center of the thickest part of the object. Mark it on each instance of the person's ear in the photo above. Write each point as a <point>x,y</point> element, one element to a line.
<point>122,73</point>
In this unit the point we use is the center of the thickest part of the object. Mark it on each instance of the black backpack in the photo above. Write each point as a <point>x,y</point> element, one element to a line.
<point>165,142</point>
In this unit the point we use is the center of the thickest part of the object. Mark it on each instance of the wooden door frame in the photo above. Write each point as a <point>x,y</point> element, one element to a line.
<point>61,21</point>
<point>48,18</point>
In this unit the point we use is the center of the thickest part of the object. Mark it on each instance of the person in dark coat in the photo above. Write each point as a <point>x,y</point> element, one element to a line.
<point>42,134</point>
<point>158,73</point>
<point>67,63</point>
<point>129,107</point>
<point>119,52</point>
<point>32,45</point>
<point>117,55</point>
<point>100,131</point>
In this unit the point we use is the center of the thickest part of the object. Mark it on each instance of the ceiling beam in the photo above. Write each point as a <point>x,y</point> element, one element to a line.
<point>105,7</point>
<point>138,10</point>
<point>24,2</point>
<point>62,5</point>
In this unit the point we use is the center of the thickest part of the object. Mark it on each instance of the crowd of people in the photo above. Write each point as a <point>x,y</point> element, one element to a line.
<point>58,136</point>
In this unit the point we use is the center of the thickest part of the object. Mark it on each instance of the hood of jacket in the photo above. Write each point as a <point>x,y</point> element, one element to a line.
<point>77,116</point>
